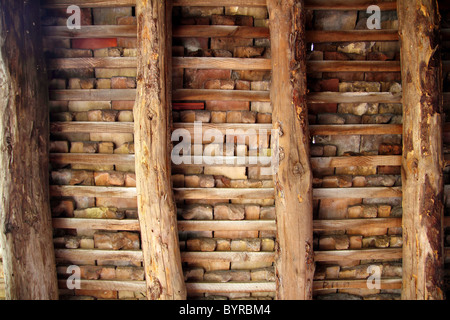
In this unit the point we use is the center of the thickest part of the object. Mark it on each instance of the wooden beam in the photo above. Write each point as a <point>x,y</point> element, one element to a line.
<point>422,174</point>
<point>195,225</point>
<point>354,97</point>
<point>99,31</point>
<point>93,95</point>
<point>357,193</point>
<point>83,63</point>
<point>385,284</point>
<point>366,254</point>
<point>225,193</point>
<point>223,95</point>
<point>63,4</point>
<point>156,203</point>
<point>342,162</point>
<point>293,180</point>
<point>226,3</point>
<point>315,130</point>
<point>220,32</point>
<point>353,66</point>
<point>202,287</point>
<point>222,63</point>
<point>108,285</point>
<point>92,159</point>
<point>351,36</point>
<point>91,191</point>
<point>344,224</point>
<point>355,129</point>
<point>25,217</point>
<point>91,127</point>
<point>349,5</point>
<point>88,254</point>
<point>212,225</point>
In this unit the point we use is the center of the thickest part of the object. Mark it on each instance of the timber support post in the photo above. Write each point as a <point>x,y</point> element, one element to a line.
<point>156,204</point>
<point>422,165</point>
<point>293,178</point>
<point>26,234</point>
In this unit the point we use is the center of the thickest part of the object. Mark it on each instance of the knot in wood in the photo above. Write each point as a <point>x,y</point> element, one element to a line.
<point>298,169</point>
<point>150,115</point>
<point>281,154</point>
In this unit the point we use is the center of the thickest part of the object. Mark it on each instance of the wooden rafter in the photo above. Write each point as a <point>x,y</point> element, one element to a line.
<point>156,204</point>
<point>25,218</point>
<point>422,174</point>
<point>293,178</point>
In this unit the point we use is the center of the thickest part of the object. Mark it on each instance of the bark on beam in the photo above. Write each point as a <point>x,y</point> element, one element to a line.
<point>25,220</point>
<point>293,180</point>
<point>423,188</point>
<point>156,204</point>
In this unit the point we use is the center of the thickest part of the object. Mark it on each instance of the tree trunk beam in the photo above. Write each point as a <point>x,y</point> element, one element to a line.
<point>293,180</point>
<point>26,235</point>
<point>156,204</point>
<point>422,165</point>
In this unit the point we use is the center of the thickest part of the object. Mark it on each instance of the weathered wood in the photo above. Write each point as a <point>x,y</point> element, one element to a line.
<point>220,32</point>
<point>223,95</point>
<point>354,97</point>
<point>108,285</point>
<point>423,188</point>
<point>353,66</point>
<point>201,287</point>
<point>85,254</point>
<point>222,63</point>
<point>344,224</point>
<point>93,95</point>
<point>92,127</point>
<point>227,256</point>
<point>226,193</point>
<point>133,225</point>
<point>248,225</point>
<point>177,62</point>
<point>357,193</point>
<point>293,179</point>
<point>25,219</point>
<point>92,159</point>
<point>385,284</point>
<point>309,4</point>
<point>63,4</point>
<point>156,203</point>
<point>342,162</point>
<point>366,254</point>
<point>349,4</point>
<point>355,129</point>
<point>351,36</point>
<point>83,63</point>
<point>100,31</point>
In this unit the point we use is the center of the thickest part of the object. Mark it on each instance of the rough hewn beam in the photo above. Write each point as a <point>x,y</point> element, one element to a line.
<point>156,204</point>
<point>293,180</point>
<point>423,188</point>
<point>25,219</point>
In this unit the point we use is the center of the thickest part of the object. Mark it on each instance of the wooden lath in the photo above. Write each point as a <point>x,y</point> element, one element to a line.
<point>309,4</point>
<point>226,64</point>
<point>206,225</point>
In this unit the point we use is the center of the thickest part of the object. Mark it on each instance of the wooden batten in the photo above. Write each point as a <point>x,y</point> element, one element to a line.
<point>156,203</point>
<point>423,187</point>
<point>293,180</point>
<point>25,218</point>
